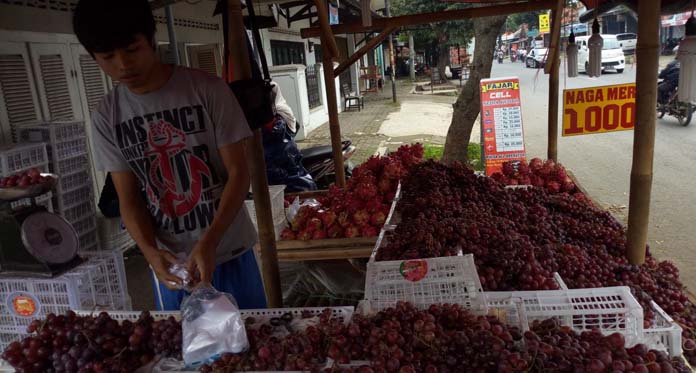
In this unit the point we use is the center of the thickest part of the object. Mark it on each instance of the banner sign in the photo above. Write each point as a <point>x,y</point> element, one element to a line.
<point>599,109</point>
<point>544,23</point>
<point>333,14</point>
<point>502,134</point>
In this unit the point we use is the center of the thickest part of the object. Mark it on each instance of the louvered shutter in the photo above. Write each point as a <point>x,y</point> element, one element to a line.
<point>165,53</point>
<point>206,58</point>
<point>18,99</point>
<point>93,86</point>
<point>56,80</point>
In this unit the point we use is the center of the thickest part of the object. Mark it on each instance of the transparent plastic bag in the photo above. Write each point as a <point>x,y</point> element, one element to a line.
<point>212,325</point>
<point>179,270</point>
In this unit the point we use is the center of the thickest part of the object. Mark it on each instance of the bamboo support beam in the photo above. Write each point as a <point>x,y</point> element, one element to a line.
<point>426,18</point>
<point>371,44</point>
<point>240,64</point>
<point>327,36</point>
<point>647,55</point>
<point>334,126</point>
<point>552,148</point>
<point>554,49</point>
<point>552,68</point>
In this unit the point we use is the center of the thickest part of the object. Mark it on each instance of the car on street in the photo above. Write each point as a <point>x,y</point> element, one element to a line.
<point>536,58</point>
<point>612,54</point>
<point>627,41</point>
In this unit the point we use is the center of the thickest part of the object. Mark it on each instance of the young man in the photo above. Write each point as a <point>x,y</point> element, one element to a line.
<point>177,134</point>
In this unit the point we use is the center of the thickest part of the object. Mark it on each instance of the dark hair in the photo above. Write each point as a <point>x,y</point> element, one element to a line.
<point>105,25</point>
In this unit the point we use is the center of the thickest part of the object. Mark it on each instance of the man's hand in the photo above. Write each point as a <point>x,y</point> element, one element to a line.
<point>201,263</point>
<point>160,261</point>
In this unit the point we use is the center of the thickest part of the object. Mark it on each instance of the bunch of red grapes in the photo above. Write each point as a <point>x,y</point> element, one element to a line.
<point>543,174</point>
<point>520,237</point>
<point>446,338</point>
<point>72,343</point>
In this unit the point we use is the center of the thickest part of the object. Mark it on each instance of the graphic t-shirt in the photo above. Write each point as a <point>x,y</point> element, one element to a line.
<point>170,138</point>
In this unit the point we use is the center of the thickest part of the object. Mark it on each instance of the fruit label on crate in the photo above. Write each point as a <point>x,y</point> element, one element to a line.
<point>502,134</point>
<point>414,270</point>
<point>599,109</point>
<point>23,304</point>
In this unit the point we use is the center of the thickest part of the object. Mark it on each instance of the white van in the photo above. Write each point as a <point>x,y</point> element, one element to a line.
<point>612,54</point>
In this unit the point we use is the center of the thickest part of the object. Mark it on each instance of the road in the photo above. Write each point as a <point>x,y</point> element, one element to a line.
<point>602,164</point>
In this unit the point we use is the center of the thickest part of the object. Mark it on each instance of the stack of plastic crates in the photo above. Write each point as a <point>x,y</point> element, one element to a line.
<point>86,287</point>
<point>68,155</point>
<point>18,158</point>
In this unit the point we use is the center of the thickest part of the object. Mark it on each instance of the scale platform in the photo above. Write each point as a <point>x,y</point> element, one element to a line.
<point>33,241</point>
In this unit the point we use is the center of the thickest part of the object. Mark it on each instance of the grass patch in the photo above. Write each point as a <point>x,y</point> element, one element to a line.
<point>434,151</point>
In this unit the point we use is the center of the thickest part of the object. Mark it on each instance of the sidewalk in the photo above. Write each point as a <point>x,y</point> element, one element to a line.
<point>383,124</point>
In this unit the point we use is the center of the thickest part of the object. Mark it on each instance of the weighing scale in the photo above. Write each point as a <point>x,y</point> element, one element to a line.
<point>34,241</point>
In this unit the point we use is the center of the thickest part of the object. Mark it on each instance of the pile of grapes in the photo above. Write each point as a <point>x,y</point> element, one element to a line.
<point>72,343</point>
<point>446,338</point>
<point>519,237</point>
<point>441,339</point>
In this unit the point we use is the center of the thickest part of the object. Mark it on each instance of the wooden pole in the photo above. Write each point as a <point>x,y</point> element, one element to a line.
<point>647,58</point>
<point>426,18</point>
<point>327,36</point>
<point>334,126</point>
<point>371,44</point>
<point>552,67</point>
<point>240,63</point>
<point>552,151</point>
<point>387,12</point>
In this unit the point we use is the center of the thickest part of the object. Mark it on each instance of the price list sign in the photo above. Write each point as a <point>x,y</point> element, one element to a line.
<point>502,134</point>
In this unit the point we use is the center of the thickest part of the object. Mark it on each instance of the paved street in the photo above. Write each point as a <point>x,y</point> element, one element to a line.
<point>602,163</point>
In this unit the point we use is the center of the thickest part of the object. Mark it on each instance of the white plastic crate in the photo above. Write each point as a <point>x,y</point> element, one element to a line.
<point>110,283</point>
<point>88,241</point>
<point>67,149</point>
<point>16,158</point>
<point>78,212</point>
<point>85,225</point>
<point>664,334</point>
<point>65,200</point>
<point>50,132</point>
<point>277,193</point>
<point>423,282</point>
<point>609,310</point>
<point>70,165</point>
<point>24,299</point>
<point>76,180</point>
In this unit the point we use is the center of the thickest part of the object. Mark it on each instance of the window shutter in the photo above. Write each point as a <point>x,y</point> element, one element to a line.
<point>206,58</point>
<point>56,86</point>
<point>17,93</point>
<point>93,81</point>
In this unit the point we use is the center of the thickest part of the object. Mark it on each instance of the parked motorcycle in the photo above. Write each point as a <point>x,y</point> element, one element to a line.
<point>668,97</point>
<point>319,163</point>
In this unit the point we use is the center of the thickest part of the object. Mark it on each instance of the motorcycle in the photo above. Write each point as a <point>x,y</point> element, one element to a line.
<point>668,95</point>
<point>500,57</point>
<point>319,163</point>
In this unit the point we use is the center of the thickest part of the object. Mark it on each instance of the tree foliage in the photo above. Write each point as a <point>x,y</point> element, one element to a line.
<point>438,37</point>
<point>514,21</point>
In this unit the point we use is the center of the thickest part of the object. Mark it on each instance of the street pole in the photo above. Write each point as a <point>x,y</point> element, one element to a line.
<point>387,12</point>
<point>647,62</point>
<point>173,46</point>
<point>412,56</point>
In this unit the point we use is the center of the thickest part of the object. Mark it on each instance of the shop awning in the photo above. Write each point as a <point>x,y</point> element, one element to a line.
<point>675,20</point>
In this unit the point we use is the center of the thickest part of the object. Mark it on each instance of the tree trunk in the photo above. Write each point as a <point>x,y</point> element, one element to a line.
<point>468,104</point>
<point>443,56</point>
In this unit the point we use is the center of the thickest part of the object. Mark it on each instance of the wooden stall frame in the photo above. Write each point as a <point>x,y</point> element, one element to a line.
<point>241,65</point>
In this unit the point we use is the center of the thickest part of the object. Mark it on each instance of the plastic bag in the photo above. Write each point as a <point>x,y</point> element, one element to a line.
<point>179,270</point>
<point>295,206</point>
<point>211,325</point>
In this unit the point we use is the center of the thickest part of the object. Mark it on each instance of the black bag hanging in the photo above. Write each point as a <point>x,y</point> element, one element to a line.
<point>254,94</point>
